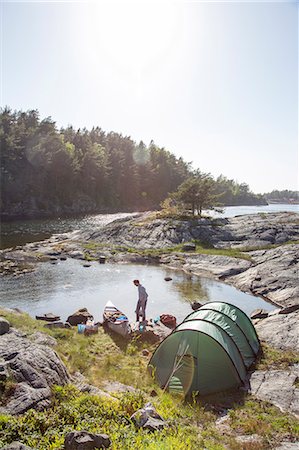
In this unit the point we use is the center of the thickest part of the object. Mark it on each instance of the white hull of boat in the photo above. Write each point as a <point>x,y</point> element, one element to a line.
<point>115,320</point>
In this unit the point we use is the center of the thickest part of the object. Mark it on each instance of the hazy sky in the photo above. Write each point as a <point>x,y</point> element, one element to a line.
<point>213,82</point>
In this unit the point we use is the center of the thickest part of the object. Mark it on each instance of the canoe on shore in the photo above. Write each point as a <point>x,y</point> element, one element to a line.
<point>116,320</point>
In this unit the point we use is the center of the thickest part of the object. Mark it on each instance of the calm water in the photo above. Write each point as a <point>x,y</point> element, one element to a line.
<point>19,232</point>
<point>232,211</point>
<point>67,286</point>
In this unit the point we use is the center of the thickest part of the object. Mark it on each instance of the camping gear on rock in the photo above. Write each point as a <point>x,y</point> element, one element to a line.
<point>49,317</point>
<point>81,328</point>
<point>168,320</point>
<point>90,327</point>
<point>115,320</point>
<point>209,352</point>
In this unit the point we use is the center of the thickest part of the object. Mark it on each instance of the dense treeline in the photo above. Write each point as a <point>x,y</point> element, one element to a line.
<point>76,170</point>
<point>232,193</point>
<point>285,196</point>
<point>46,170</point>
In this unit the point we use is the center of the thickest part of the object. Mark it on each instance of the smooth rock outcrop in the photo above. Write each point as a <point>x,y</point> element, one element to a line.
<point>34,368</point>
<point>218,266</point>
<point>254,230</point>
<point>274,274</point>
<point>280,330</point>
<point>278,387</point>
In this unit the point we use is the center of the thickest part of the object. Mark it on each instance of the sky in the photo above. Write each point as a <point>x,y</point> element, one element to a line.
<point>215,82</point>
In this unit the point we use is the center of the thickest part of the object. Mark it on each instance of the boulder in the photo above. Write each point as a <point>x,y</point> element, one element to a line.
<point>34,369</point>
<point>259,314</point>
<point>153,424</point>
<point>188,247</point>
<point>152,333</point>
<point>4,326</point>
<point>195,305</point>
<point>57,324</point>
<point>80,316</point>
<point>77,254</point>
<point>83,440</point>
<point>48,317</point>
<point>148,418</point>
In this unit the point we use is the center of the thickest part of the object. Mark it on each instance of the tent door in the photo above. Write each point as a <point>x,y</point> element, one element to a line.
<point>182,377</point>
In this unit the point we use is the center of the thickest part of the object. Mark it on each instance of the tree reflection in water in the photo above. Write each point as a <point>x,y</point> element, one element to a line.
<point>192,289</point>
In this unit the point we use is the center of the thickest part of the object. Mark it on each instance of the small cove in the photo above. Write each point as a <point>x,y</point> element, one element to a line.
<point>64,287</point>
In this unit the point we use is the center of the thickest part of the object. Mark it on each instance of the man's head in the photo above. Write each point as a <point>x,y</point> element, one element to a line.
<point>136,282</point>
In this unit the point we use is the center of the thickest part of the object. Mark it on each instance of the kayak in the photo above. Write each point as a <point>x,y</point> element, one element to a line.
<point>115,320</point>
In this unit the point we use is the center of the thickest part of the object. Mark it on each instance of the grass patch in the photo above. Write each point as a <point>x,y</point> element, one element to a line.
<point>92,245</point>
<point>73,410</point>
<point>264,419</point>
<point>266,247</point>
<point>276,359</point>
<point>202,248</point>
<point>24,322</point>
<point>101,358</point>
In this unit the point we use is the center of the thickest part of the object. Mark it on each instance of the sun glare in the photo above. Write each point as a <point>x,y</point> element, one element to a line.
<point>134,37</point>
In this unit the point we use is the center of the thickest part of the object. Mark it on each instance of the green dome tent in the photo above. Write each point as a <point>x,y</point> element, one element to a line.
<point>210,351</point>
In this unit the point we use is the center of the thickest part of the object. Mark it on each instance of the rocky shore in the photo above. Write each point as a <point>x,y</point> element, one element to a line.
<point>266,262</point>
<point>267,265</point>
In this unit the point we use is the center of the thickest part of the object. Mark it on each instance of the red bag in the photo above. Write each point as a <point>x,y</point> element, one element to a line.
<point>168,320</point>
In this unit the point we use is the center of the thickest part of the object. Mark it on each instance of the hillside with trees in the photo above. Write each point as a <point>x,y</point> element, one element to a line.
<point>47,171</point>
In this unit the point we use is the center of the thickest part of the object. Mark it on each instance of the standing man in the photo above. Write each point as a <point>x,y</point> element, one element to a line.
<point>142,299</point>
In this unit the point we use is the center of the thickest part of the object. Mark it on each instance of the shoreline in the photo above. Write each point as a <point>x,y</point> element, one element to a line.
<point>269,273</point>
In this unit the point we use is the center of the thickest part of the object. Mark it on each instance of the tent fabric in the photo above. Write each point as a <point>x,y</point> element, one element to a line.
<point>240,318</point>
<point>231,328</point>
<point>208,352</point>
